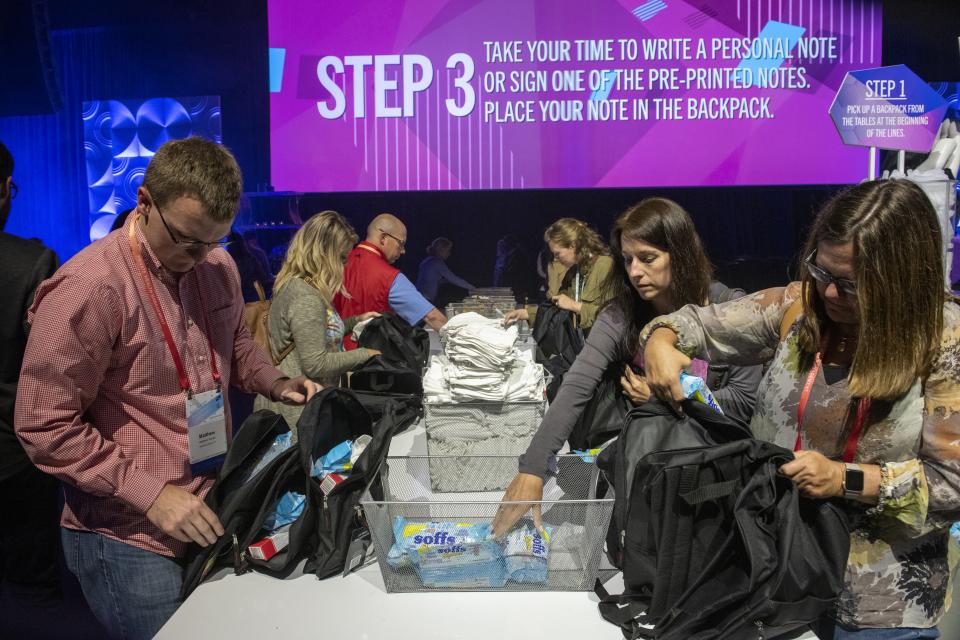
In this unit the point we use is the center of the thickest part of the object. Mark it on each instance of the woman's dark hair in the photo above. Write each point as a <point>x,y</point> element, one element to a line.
<point>667,226</point>
<point>248,267</point>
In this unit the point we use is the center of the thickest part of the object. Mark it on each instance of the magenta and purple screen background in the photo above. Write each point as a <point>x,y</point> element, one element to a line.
<point>434,150</point>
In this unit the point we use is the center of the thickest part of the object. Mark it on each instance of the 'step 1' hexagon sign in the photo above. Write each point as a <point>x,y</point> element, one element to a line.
<point>887,107</point>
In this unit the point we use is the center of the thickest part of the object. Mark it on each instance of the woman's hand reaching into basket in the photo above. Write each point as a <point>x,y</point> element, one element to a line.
<point>524,489</point>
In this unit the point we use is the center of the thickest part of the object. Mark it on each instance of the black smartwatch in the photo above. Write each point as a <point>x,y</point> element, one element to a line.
<point>852,481</point>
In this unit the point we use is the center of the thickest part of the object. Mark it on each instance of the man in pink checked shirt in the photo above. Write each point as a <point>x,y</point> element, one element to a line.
<point>133,346</point>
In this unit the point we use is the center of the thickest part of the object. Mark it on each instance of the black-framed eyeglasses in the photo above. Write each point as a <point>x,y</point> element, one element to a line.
<point>823,276</point>
<point>190,245</point>
<point>14,189</point>
<point>402,243</point>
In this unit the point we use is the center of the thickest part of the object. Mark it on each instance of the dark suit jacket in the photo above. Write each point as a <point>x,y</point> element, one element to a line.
<point>24,264</point>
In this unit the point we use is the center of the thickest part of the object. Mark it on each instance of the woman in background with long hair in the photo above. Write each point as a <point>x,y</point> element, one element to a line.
<point>306,332</point>
<point>586,261</point>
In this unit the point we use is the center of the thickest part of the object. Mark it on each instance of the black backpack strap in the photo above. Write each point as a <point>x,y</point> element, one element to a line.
<point>709,492</point>
<point>624,610</point>
<point>681,551</point>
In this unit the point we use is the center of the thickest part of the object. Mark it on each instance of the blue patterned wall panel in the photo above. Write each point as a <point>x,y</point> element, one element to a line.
<point>120,137</point>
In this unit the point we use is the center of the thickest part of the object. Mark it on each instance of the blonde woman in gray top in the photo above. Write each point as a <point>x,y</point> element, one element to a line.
<point>305,329</point>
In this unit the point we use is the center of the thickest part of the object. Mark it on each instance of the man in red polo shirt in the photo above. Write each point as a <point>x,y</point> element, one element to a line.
<point>375,284</point>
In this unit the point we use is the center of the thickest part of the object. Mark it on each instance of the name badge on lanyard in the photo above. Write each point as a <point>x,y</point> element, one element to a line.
<point>206,420</point>
<point>207,430</point>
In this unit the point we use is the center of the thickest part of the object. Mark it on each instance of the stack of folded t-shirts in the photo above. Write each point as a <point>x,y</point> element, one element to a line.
<point>446,381</point>
<point>482,342</point>
<point>480,363</point>
<point>483,398</point>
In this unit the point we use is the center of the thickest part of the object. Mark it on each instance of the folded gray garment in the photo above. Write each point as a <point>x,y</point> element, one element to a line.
<point>467,411</point>
<point>491,429</point>
<point>480,422</point>
<point>442,429</point>
<point>468,472</point>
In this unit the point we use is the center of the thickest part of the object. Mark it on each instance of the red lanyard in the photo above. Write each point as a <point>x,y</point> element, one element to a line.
<point>155,302</point>
<point>863,408</point>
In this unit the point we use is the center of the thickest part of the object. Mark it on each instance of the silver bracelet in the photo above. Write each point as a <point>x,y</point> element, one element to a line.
<point>885,492</point>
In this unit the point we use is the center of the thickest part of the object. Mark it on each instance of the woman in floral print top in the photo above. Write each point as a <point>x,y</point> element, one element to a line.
<point>882,340</point>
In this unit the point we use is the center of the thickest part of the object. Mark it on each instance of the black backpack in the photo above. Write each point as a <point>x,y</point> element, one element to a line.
<point>408,405</point>
<point>323,530</point>
<point>332,416</point>
<point>380,375</point>
<point>712,541</point>
<point>243,504</point>
<point>559,341</point>
<point>404,353</point>
<point>400,343</point>
<point>602,417</point>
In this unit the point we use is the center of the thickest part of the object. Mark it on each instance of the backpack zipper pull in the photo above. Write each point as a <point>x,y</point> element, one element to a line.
<point>239,558</point>
<point>361,516</point>
<point>759,625</point>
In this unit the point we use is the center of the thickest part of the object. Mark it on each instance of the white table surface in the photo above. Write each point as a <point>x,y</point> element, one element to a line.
<point>257,607</point>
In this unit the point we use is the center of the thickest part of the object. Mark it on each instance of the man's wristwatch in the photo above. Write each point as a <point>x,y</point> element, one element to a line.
<point>852,480</point>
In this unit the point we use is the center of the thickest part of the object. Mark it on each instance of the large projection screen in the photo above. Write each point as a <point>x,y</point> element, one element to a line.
<point>521,94</point>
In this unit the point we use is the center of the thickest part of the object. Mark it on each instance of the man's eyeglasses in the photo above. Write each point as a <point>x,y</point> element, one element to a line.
<point>823,276</point>
<point>402,243</point>
<point>190,245</point>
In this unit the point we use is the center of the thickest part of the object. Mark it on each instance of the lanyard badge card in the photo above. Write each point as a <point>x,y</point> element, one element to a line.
<point>207,430</point>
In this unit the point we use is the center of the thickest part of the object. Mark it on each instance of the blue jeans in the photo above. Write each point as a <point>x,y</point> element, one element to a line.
<point>132,592</point>
<point>830,630</point>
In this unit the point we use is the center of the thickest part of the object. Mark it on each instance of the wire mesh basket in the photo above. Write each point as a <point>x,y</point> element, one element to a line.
<point>486,306</point>
<point>498,292</point>
<point>461,435</point>
<point>431,542</point>
<point>524,330</point>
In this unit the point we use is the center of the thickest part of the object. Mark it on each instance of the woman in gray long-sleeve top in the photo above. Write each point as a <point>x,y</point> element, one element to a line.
<point>304,327</point>
<point>659,266</point>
